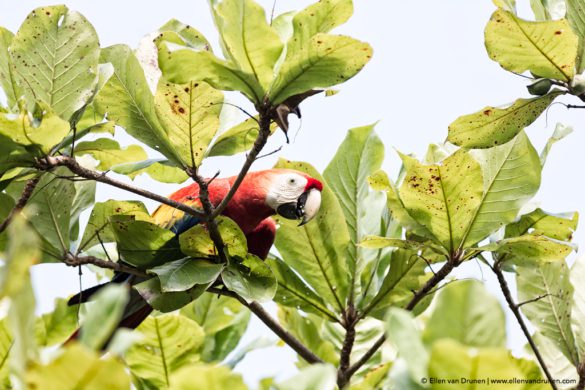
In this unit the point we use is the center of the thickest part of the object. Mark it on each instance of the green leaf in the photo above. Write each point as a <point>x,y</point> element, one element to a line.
<point>108,152</point>
<point>539,222</point>
<point>405,335</point>
<point>6,205</point>
<point>56,54</point>
<point>467,313</point>
<point>182,65</point>
<point>561,131</point>
<point>317,250</point>
<point>377,242</point>
<point>7,78</point>
<point>25,130</point>
<point>170,342</point>
<point>493,126</point>
<point>327,60</point>
<point>49,210</point>
<point>249,42</point>
<point>252,279</point>
<point>166,302</point>
<point>181,275</point>
<point>293,291</point>
<point>57,326</point>
<point>90,373</point>
<point>576,17</point>
<point>443,197</point>
<point>359,156</point>
<point>127,100</point>
<point>511,176</point>
<point>190,115</point>
<point>549,286</point>
<point>530,249</point>
<point>23,250</point>
<point>144,244</point>
<point>578,308</point>
<point>224,321</point>
<point>185,34</point>
<point>104,316</point>
<point>548,9</point>
<point>508,5</point>
<point>451,361</point>
<point>200,376</point>
<point>84,199</point>
<point>374,378</point>
<point>13,155</point>
<point>547,49</point>
<point>99,228</point>
<point>237,139</point>
<point>5,347</point>
<point>158,169</point>
<point>196,241</point>
<point>316,376</point>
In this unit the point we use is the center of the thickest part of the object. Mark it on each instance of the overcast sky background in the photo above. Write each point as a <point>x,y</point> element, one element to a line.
<point>429,67</point>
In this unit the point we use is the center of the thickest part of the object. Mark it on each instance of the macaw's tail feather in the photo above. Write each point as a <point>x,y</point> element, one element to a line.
<point>136,310</point>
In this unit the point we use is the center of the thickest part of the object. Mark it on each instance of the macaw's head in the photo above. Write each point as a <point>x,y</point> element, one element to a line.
<point>290,194</point>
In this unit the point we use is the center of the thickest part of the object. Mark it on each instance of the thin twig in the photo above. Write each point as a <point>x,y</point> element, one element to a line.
<point>349,322</point>
<point>516,311</point>
<point>49,163</point>
<point>75,261</point>
<point>22,201</point>
<point>274,326</point>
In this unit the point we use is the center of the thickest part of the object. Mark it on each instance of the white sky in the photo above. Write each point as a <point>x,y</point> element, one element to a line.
<point>429,67</point>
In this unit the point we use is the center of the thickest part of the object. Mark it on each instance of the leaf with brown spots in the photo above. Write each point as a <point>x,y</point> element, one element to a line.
<point>495,126</point>
<point>547,49</point>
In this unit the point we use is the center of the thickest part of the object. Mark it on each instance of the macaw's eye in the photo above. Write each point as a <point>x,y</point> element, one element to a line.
<point>291,180</point>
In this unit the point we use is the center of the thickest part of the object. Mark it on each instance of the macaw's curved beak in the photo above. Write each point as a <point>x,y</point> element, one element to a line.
<point>305,208</point>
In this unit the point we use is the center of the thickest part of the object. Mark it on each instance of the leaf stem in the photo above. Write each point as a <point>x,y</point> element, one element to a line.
<point>516,311</point>
<point>274,326</point>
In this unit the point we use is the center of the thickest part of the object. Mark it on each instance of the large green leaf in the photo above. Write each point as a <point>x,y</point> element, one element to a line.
<point>404,333</point>
<point>57,326</point>
<point>547,49</point>
<point>576,17</point>
<point>252,279</point>
<point>493,126</point>
<point>317,250</point>
<point>316,376</point>
<point>451,362</point>
<point>190,115</point>
<point>5,347</point>
<point>530,249</point>
<point>196,241</point>
<point>511,176</point>
<point>127,100</point>
<point>539,222</point>
<point>109,153</point>
<point>144,244</point>
<point>91,372</point>
<point>224,321</point>
<point>549,286</point>
<point>237,139</point>
<point>200,376</point>
<point>104,316</point>
<point>56,54</point>
<point>98,227</point>
<point>158,169</point>
<point>49,210</point>
<point>466,312</point>
<point>578,309</point>
<point>359,156</point>
<point>443,197</point>
<point>326,60</point>
<point>249,42</point>
<point>7,79</point>
<point>170,342</point>
<point>181,275</point>
<point>293,291</point>
<point>167,302</point>
<point>6,205</point>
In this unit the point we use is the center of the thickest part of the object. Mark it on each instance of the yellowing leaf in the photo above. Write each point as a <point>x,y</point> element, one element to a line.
<point>23,130</point>
<point>547,49</point>
<point>200,376</point>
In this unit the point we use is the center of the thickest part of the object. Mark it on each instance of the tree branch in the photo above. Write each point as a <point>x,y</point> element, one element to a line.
<point>49,163</point>
<point>350,321</point>
<point>516,311</point>
<point>22,201</point>
<point>418,296</point>
<point>75,261</point>
<point>263,315</point>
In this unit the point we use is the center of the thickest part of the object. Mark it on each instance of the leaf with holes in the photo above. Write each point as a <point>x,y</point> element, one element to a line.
<point>56,52</point>
<point>547,49</point>
<point>190,114</point>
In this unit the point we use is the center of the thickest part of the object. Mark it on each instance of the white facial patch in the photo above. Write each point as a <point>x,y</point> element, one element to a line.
<point>285,188</point>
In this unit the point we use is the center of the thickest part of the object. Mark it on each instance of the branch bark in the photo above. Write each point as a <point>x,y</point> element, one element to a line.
<point>516,311</point>
<point>48,163</point>
<point>22,201</point>
<point>274,326</point>
<point>350,321</point>
<point>74,261</point>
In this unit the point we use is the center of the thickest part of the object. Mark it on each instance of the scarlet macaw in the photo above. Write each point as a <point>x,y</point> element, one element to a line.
<point>262,194</point>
